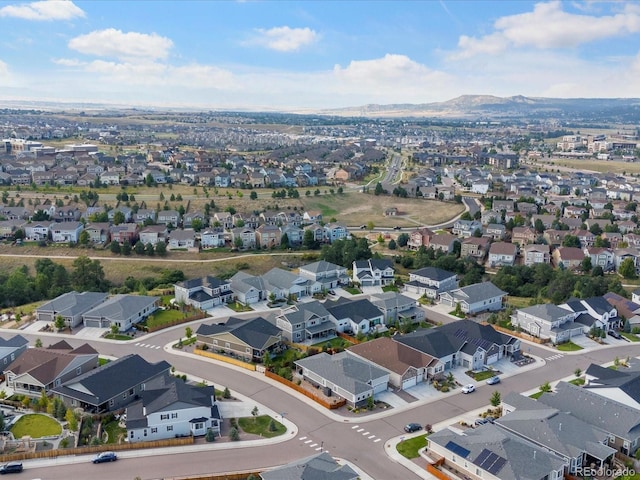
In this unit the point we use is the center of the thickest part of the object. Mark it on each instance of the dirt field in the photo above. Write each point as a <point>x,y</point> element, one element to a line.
<point>583,165</point>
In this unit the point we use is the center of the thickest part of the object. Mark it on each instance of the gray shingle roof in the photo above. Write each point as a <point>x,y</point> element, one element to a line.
<point>111,379</point>
<point>344,370</point>
<point>546,311</point>
<point>321,466</point>
<point>434,273</point>
<point>255,332</point>
<point>356,310</point>
<point>120,307</point>
<point>73,303</point>
<point>477,292</point>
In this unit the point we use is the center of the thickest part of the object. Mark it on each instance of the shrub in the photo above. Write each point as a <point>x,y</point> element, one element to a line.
<point>210,436</point>
<point>226,393</point>
<point>234,434</point>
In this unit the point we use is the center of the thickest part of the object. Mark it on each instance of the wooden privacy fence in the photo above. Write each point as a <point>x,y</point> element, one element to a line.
<point>436,472</point>
<point>513,333</point>
<point>330,405</point>
<point>169,442</point>
<point>348,338</point>
<point>224,358</point>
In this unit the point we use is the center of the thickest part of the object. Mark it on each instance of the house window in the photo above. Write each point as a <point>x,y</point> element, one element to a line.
<point>199,426</point>
<point>124,395</point>
<point>227,345</point>
<point>154,430</point>
<point>169,428</point>
<point>164,416</point>
<point>111,402</point>
<point>78,370</point>
<point>215,342</point>
<point>145,432</point>
<point>131,392</point>
<point>174,415</point>
<point>131,434</point>
<point>141,386</point>
<point>248,350</point>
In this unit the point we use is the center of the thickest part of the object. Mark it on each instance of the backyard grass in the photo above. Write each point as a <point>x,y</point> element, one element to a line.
<point>336,342</point>
<point>410,448</point>
<point>114,431</point>
<point>36,425</point>
<point>632,337</point>
<point>164,317</point>
<point>260,426</point>
<point>518,302</point>
<point>568,347</point>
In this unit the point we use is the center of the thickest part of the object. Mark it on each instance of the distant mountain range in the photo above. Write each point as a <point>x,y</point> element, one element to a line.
<point>491,107</point>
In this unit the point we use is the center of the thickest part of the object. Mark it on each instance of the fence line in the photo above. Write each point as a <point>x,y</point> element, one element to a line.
<point>305,392</point>
<point>224,358</point>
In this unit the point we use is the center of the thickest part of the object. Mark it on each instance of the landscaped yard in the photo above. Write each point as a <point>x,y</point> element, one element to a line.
<point>164,317</point>
<point>410,448</point>
<point>536,395</point>
<point>568,347</point>
<point>260,426</point>
<point>36,425</point>
<point>352,290</point>
<point>336,342</point>
<point>117,336</point>
<point>483,375</point>
<point>632,337</point>
<point>239,307</point>
<point>114,432</point>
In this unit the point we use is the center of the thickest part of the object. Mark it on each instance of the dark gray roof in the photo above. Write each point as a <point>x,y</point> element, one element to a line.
<point>356,310</point>
<point>16,341</point>
<point>321,466</point>
<point>321,266</point>
<point>304,311</point>
<point>255,332</point>
<point>523,460</point>
<point>627,380</point>
<point>611,416</point>
<point>121,307</point>
<point>111,379</point>
<point>434,273</point>
<point>477,292</point>
<point>208,281</point>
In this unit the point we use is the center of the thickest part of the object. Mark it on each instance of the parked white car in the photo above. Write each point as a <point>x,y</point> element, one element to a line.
<point>468,388</point>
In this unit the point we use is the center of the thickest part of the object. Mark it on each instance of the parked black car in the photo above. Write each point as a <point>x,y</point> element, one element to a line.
<point>412,427</point>
<point>105,457</point>
<point>615,334</point>
<point>11,467</point>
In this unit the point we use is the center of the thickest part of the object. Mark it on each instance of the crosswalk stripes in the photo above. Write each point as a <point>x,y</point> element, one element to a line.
<point>146,345</point>
<point>555,357</point>
<point>305,440</point>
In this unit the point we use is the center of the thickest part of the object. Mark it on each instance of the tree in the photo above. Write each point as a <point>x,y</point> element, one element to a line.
<point>571,241</point>
<point>114,329</point>
<point>59,322</point>
<point>161,249</point>
<point>234,434</point>
<point>585,265</point>
<point>115,247</point>
<point>226,393</point>
<point>577,372</point>
<point>627,268</point>
<point>272,425</point>
<point>72,421</point>
<point>392,244</point>
<point>495,399</point>
<point>403,239</point>
<point>188,332</point>
<point>210,436</point>
<point>379,190</point>
<point>88,275</point>
<point>118,218</point>
<point>309,241</point>
<point>254,195</point>
<point>370,403</point>
<point>139,248</point>
<point>84,238</point>
<point>255,412</point>
<point>545,387</point>
<point>149,250</point>
<point>126,248</point>
<point>197,224</point>
<point>38,343</point>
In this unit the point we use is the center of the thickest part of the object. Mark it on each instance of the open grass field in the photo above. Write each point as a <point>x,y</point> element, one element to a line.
<point>35,426</point>
<point>583,165</point>
<point>260,426</point>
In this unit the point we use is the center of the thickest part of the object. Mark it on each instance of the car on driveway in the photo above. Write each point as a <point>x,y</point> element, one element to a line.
<point>468,388</point>
<point>493,380</point>
<point>11,467</point>
<point>412,427</point>
<point>615,334</point>
<point>105,457</point>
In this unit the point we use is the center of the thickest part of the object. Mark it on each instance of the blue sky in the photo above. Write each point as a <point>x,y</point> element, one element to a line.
<point>298,55</point>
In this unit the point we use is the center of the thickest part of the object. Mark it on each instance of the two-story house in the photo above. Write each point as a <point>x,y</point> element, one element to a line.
<point>306,322</point>
<point>328,274</point>
<point>204,293</point>
<point>431,281</point>
<point>373,272</point>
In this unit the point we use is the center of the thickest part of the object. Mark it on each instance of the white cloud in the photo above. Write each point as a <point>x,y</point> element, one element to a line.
<point>121,45</point>
<point>43,10</point>
<point>285,39</point>
<point>548,26</point>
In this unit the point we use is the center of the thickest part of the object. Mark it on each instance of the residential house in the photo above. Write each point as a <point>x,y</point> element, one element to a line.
<point>145,215</point>
<point>268,236</point>
<point>506,205</point>
<point>373,272</point>
<point>523,235</point>
<point>111,386</point>
<point>182,238</point>
<point>335,231</point>
<point>154,234</point>
<point>67,213</point>
<point>123,311</point>
<point>39,369</point>
<point>619,420</point>
<point>70,306</point>
<point>534,254</point>
<point>12,348</point>
<point>212,238</point>
<point>344,375</point>
<point>9,227</point>
<point>602,257</point>
<point>501,254</point>
<point>294,235</point>
<point>407,366</point>
<point>124,233</point>
<point>492,452</point>
<point>306,322</point>
<point>243,237</point>
<point>168,217</point>
<point>548,321</point>
<point>569,257</point>
<point>495,231</point>
<point>466,228</point>
<point>127,213</point>
<point>318,232</point>
<point>319,465</point>
<point>169,408</point>
<point>189,218</point>
<point>99,233</point>
<point>355,316</point>
<point>204,293</point>
<point>621,254</point>
<point>443,242</point>
<point>312,216</point>
<point>463,343</point>
<point>66,232</point>
<point>586,238</point>
<point>328,274</point>
<point>247,288</point>
<point>594,312</point>
<point>250,340</point>
<point>36,231</point>
<point>476,298</point>
<point>398,308</point>
<point>474,247</point>
<point>621,385</point>
<point>419,238</point>
<point>431,281</point>
<point>555,237</point>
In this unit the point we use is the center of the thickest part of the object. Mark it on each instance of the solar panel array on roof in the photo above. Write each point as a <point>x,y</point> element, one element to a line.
<point>457,449</point>
<point>482,343</point>
<point>489,461</point>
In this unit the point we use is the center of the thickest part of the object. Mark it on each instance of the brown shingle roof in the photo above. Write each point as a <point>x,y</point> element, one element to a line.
<point>392,355</point>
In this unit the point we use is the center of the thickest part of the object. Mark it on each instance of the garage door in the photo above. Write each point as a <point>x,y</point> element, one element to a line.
<point>409,382</point>
<point>92,323</point>
<point>381,387</point>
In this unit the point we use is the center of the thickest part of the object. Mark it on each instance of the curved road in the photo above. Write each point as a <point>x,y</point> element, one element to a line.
<point>315,423</point>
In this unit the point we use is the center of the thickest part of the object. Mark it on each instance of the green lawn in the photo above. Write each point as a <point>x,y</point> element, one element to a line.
<point>536,395</point>
<point>114,431</point>
<point>102,361</point>
<point>36,425</point>
<point>568,347</point>
<point>577,381</point>
<point>409,448</point>
<point>164,317</point>
<point>260,426</point>
<point>480,376</point>
<point>390,288</point>
<point>336,342</point>
<point>117,336</point>
<point>352,290</point>
<point>239,307</point>
<point>632,337</point>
